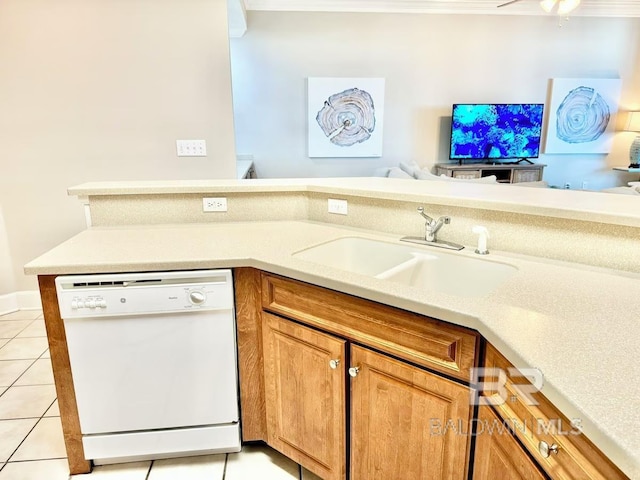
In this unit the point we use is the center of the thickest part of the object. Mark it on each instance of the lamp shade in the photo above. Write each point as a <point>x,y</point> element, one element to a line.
<point>547,5</point>
<point>633,122</point>
<point>567,6</point>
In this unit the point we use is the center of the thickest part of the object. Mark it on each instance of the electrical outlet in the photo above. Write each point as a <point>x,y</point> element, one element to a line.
<point>337,206</point>
<point>567,186</point>
<point>191,148</point>
<point>218,204</point>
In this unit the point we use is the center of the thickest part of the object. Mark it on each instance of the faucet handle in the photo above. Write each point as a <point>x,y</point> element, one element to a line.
<point>426,217</point>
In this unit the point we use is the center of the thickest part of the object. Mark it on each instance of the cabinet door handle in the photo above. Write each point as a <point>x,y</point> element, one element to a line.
<point>353,371</point>
<point>546,450</point>
<point>334,363</point>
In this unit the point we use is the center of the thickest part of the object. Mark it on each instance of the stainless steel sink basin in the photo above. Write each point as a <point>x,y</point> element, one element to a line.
<point>424,268</point>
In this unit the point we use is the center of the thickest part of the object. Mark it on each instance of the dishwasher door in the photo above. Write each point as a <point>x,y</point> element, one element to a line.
<point>155,371</point>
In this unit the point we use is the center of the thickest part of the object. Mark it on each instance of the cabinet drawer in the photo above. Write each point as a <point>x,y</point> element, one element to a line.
<point>535,420</point>
<point>422,340</point>
<point>467,173</point>
<point>527,175</point>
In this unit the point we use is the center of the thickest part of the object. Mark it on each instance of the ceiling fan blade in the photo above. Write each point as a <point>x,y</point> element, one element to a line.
<point>509,3</point>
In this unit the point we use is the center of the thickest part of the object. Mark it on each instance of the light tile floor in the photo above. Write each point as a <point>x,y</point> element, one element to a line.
<point>31,441</point>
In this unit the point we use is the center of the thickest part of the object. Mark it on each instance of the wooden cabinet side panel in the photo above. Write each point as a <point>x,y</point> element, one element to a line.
<point>247,288</point>
<point>578,457</point>
<point>406,422</point>
<point>306,410</point>
<point>57,338</point>
<point>425,341</point>
<point>498,454</point>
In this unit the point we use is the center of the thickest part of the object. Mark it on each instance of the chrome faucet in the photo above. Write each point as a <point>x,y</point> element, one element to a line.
<point>431,228</point>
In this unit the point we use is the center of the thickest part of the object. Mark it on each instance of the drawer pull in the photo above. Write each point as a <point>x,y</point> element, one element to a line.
<point>546,450</point>
<point>353,371</point>
<point>334,364</point>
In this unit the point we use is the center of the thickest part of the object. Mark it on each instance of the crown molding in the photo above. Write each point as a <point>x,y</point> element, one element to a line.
<point>588,8</point>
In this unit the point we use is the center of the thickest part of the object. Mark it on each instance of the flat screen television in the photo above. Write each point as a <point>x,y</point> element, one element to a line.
<point>496,131</point>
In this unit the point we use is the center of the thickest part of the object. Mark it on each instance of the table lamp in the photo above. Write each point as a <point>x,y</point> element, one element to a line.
<point>633,125</point>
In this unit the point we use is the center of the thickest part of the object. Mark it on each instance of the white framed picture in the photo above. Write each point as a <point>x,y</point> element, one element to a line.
<point>345,116</point>
<point>581,115</point>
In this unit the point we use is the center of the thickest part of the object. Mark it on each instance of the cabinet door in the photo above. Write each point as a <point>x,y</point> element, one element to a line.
<point>534,175</point>
<point>498,454</point>
<point>406,422</point>
<point>305,396</point>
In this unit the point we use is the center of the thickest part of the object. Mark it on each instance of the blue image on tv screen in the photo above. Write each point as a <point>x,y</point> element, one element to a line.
<point>496,131</point>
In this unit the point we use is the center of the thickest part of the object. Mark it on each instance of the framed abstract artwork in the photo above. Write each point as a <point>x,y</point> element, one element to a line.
<point>345,117</point>
<point>581,115</point>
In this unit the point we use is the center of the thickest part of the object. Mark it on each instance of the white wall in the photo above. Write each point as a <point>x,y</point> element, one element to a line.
<point>96,90</point>
<point>429,62</point>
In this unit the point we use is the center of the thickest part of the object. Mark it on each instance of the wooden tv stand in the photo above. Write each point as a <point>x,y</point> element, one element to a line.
<point>505,173</point>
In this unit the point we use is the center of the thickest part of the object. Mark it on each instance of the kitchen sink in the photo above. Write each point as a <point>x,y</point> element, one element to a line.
<point>455,275</point>
<point>451,273</point>
<point>358,255</point>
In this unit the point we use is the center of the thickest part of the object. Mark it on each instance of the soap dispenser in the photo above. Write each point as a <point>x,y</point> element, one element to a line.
<point>483,234</point>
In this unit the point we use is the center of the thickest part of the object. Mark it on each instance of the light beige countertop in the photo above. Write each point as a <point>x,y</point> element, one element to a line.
<point>579,325</point>
<point>569,204</point>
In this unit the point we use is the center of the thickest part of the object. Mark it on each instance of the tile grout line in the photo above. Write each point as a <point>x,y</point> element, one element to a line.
<point>20,444</point>
<point>149,471</point>
<point>224,469</point>
<point>34,360</point>
<point>25,437</point>
<point>16,335</point>
<point>39,419</point>
<point>13,384</point>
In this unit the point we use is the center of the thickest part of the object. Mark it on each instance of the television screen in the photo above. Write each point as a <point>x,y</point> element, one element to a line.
<point>496,131</point>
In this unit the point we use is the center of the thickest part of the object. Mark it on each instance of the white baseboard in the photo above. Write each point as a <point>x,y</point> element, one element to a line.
<point>25,300</point>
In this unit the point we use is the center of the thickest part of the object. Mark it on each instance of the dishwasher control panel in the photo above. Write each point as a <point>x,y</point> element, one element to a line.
<point>88,302</point>
<point>122,294</point>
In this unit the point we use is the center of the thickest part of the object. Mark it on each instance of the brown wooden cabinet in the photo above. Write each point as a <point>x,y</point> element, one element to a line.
<point>498,454</point>
<point>305,395</point>
<point>406,422</point>
<point>397,411</point>
<point>408,405</point>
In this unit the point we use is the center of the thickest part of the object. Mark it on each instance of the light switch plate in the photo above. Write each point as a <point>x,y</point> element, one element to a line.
<point>191,148</point>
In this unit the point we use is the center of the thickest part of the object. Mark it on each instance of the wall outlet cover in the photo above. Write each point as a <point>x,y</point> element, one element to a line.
<point>339,207</point>
<point>217,204</point>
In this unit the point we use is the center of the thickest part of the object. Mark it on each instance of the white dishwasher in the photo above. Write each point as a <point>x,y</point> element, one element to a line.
<point>153,360</point>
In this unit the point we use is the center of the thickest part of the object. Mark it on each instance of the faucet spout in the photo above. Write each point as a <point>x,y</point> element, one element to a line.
<point>431,228</point>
